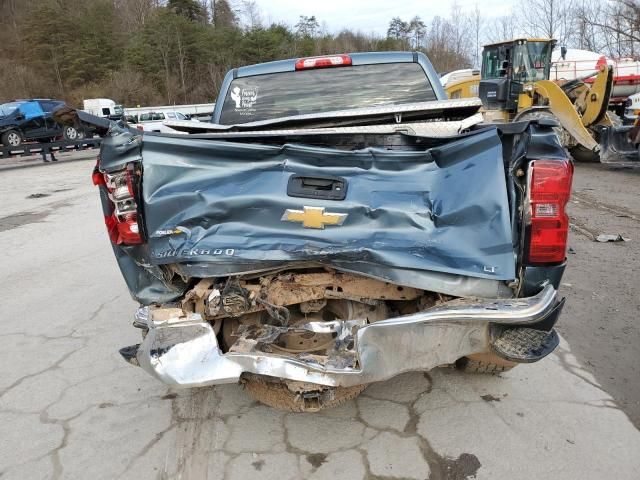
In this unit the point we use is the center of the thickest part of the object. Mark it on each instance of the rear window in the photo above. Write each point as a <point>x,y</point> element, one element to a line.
<point>262,97</point>
<point>50,106</point>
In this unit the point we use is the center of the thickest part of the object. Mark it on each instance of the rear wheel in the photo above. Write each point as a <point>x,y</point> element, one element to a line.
<point>537,114</point>
<point>12,138</point>
<point>578,152</point>
<point>484,363</point>
<point>584,155</point>
<point>71,133</point>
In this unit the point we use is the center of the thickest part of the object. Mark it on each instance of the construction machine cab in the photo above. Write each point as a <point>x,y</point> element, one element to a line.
<point>508,66</point>
<point>514,86</point>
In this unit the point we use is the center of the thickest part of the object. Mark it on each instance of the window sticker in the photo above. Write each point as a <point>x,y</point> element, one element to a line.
<point>245,99</point>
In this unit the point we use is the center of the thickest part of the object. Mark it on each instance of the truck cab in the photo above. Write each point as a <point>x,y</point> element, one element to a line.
<point>508,66</point>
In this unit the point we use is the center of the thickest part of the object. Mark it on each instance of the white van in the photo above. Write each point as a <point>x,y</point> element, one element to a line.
<point>102,107</point>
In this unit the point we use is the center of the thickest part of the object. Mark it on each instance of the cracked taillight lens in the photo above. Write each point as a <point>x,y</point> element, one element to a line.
<point>122,224</point>
<point>549,192</point>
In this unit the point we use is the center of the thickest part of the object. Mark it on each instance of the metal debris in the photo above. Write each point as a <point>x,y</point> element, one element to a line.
<point>603,238</point>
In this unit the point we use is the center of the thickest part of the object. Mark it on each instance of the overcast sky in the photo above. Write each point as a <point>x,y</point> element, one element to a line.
<point>371,15</point>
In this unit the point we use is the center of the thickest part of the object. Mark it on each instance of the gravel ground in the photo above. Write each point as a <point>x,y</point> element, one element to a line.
<point>71,408</point>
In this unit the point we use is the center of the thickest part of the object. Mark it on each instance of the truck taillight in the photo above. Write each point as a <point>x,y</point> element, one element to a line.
<point>549,192</point>
<point>122,222</point>
<point>323,62</point>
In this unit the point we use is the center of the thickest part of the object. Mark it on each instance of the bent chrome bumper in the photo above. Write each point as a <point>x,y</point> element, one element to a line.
<point>185,352</point>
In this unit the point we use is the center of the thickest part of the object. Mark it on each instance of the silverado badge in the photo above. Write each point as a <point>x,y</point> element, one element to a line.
<point>313,217</point>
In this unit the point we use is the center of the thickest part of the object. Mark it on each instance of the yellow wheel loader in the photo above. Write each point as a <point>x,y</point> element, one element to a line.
<point>514,85</point>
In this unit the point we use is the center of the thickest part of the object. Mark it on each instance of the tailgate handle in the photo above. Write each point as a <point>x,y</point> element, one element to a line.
<point>318,186</point>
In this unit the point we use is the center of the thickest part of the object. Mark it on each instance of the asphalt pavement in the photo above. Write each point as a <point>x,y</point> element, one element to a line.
<point>70,407</point>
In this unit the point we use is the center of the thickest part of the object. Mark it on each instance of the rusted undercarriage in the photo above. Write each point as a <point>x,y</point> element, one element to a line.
<point>309,292</point>
<point>236,297</point>
<point>273,314</point>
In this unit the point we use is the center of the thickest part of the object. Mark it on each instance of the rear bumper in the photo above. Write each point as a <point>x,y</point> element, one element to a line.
<point>186,353</point>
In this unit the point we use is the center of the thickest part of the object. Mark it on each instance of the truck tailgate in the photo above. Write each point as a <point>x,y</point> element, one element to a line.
<point>223,207</point>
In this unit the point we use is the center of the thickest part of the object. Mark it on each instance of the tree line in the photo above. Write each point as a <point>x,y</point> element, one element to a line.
<point>145,52</point>
<point>610,27</point>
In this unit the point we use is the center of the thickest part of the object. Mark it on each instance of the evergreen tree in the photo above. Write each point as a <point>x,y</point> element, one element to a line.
<point>223,16</point>
<point>189,9</point>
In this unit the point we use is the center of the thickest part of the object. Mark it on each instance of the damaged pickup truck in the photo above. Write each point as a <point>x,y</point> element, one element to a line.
<point>339,222</point>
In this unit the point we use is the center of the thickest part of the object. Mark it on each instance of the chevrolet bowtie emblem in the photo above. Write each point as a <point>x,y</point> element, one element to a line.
<point>313,217</point>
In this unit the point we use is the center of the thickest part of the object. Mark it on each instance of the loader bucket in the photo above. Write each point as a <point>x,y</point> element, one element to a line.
<point>619,144</point>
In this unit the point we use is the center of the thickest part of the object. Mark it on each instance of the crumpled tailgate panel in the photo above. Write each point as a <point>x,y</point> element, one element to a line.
<point>221,204</point>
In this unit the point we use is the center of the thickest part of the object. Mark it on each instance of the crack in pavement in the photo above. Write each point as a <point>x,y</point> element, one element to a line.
<point>599,205</point>
<point>71,336</point>
<point>55,365</point>
<point>195,408</point>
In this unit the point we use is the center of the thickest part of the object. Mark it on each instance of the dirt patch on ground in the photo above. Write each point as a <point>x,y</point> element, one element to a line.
<point>21,219</point>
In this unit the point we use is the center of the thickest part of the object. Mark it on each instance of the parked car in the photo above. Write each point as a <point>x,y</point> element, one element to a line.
<point>340,223</point>
<point>154,121</point>
<point>27,120</point>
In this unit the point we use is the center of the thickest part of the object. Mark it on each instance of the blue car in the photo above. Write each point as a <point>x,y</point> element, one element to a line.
<point>28,120</point>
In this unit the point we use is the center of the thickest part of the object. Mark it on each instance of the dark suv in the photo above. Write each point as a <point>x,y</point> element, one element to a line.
<point>25,120</point>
